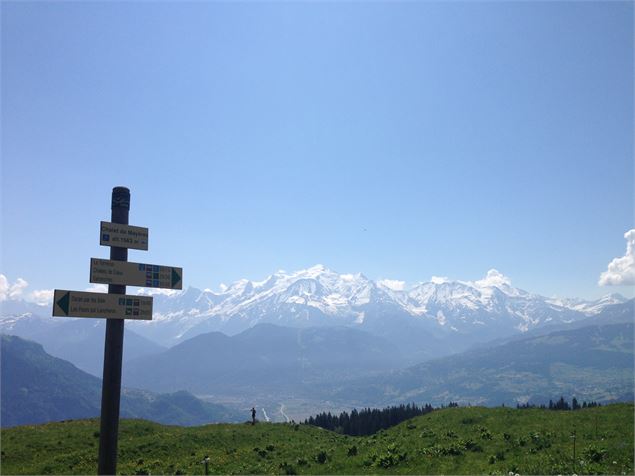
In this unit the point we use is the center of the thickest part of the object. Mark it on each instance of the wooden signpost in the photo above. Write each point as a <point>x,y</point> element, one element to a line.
<point>115,307</point>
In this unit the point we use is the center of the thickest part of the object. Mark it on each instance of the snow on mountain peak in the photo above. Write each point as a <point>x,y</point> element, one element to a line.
<point>321,296</point>
<point>392,284</point>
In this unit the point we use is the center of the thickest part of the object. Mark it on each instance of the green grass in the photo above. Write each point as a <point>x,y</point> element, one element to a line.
<point>451,441</point>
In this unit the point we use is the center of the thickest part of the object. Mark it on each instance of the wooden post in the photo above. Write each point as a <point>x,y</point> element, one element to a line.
<point>113,352</point>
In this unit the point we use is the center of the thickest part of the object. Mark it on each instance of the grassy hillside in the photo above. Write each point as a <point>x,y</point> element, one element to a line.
<point>455,441</point>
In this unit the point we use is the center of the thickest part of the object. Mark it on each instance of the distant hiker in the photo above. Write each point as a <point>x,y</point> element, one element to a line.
<point>253,416</point>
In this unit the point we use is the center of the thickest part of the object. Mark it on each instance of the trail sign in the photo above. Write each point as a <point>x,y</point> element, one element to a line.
<point>110,306</point>
<point>123,236</point>
<point>116,306</point>
<point>105,271</point>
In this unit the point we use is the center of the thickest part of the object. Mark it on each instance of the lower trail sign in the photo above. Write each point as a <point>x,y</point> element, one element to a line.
<point>110,306</point>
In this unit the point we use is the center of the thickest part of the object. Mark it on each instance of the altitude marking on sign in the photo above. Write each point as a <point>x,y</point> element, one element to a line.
<point>105,271</point>
<point>100,305</point>
<point>123,236</point>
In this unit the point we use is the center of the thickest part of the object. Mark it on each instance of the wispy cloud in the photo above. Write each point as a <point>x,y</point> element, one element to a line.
<point>621,271</point>
<point>16,290</point>
<point>11,291</point>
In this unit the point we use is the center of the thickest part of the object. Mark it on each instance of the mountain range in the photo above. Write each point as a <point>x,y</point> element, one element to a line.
<point>592,362</point>
<point>301,371</point>
<point>427,320</point>
<point>37,388</point>
<point>317,296</point>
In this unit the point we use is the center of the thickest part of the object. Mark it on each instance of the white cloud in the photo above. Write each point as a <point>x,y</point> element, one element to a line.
<point>41,297</point>
<point>393,284</point>
<point>493,278</point>
<point>621,271</point>
<point>11,291</point>
<point>97,288</point>
<point>439,279</point>
<point>4,287</point>
<point>156,292</point>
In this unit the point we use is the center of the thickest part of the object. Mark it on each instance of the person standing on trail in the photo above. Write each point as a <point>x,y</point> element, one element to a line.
<point>253,416</point>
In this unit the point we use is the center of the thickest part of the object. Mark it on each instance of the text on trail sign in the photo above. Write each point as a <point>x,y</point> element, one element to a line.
<point>123,236</point>
<point>110,306</point>
<point>105,271</point>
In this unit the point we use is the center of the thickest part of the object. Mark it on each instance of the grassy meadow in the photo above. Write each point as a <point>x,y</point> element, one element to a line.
<point>471,440</point>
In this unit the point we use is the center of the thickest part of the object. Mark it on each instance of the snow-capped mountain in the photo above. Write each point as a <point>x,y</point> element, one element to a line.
<point>429,318</point>
<point>589,308</point>
<point>462,311</point>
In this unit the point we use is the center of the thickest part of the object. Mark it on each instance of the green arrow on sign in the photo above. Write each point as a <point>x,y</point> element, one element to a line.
<point>175,277</point>
<point>63,302</point>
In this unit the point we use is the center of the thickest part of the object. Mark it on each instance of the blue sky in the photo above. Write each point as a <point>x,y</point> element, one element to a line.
<point>402,140</point>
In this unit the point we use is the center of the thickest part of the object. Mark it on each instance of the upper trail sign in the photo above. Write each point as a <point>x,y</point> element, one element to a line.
<point>123,236</point>
<point>105,271</point>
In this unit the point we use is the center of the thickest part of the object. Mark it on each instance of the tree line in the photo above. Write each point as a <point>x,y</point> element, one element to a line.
<point>561,404</point>
<point>368,421</point>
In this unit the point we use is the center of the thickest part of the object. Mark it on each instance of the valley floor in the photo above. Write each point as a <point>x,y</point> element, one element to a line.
<point>451,441</point>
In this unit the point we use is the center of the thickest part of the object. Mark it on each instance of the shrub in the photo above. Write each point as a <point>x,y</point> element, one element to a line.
<point>390,457</point>
<point>286,468</point>
<point>594,454</point>
<point>540,442</point>
<point>352,451</point>
<point>453,450</point>
<point>261,453</point>
<point>485,433</point>
<point>321,457</point>
<point>472,446</point>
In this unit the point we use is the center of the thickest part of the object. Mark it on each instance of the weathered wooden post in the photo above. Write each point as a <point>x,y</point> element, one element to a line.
<point>113,351</point>
<point>116,306</point>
